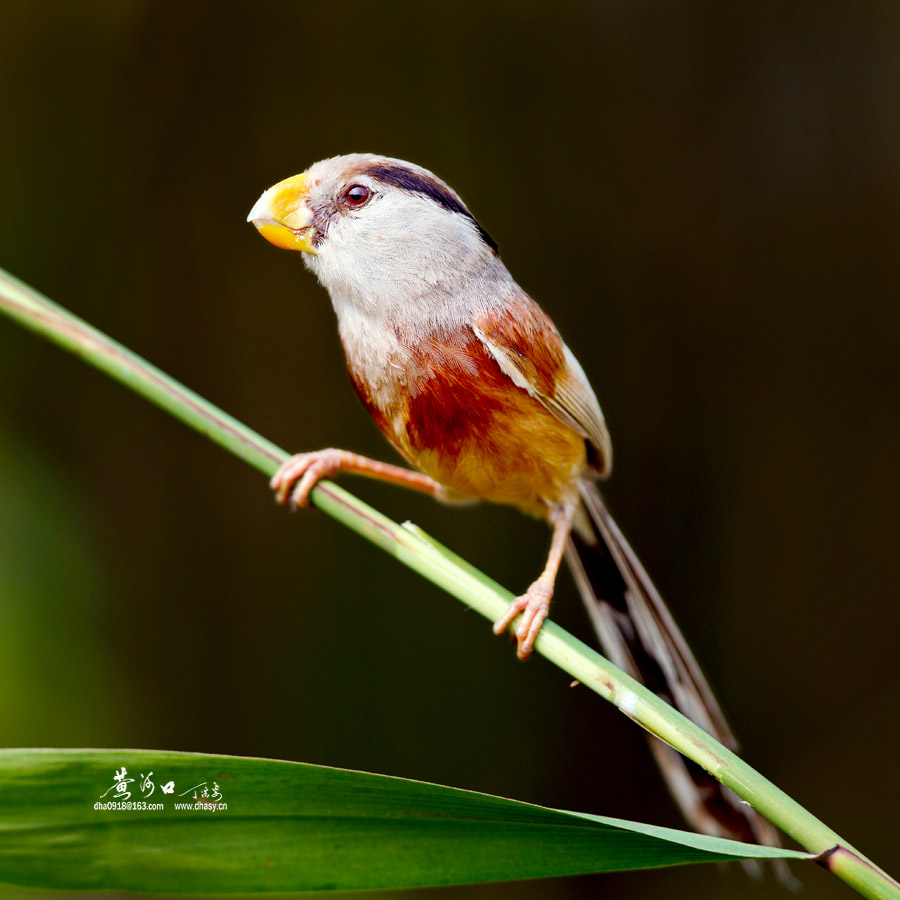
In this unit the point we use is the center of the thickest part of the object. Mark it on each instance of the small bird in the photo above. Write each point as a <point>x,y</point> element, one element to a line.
<point>471,382</point>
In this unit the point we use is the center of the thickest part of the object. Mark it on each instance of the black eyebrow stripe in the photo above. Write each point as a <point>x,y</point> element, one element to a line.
<point>417,183</point>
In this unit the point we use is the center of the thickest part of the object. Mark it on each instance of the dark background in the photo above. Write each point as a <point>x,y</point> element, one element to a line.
<point>705,198</point>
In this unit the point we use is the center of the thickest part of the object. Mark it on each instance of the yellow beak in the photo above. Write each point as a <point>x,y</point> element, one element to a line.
<point>282,217</point>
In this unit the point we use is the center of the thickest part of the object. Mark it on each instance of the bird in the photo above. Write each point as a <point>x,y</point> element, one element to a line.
<point>471,382</point>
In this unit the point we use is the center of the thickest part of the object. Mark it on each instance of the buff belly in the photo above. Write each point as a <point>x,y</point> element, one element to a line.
<point>484,437</point>
<point>532,476</point>
<point>447,406</point>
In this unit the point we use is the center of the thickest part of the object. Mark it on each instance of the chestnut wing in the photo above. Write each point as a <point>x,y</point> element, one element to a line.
<point>528,348</point>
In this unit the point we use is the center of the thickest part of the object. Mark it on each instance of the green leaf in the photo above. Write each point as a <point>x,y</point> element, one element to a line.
<point>286,827</point>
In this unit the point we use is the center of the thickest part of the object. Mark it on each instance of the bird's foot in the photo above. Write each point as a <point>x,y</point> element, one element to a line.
<point>534,605</point>
<point>298,476</point>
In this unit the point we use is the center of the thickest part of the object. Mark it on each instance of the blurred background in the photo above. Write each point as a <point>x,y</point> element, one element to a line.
<point>705,198</point>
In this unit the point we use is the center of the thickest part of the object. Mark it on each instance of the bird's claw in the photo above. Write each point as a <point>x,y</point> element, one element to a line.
<point>534,605</point>
<point>296,478</point>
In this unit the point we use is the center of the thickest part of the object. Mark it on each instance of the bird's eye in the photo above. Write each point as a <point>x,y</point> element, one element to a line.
<point>357,195</point>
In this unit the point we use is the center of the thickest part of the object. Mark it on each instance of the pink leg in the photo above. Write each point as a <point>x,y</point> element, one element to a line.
<point>534,604</point>
<point>298,476</point>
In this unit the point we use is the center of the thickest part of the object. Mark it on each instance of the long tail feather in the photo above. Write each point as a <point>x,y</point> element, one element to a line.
<point>637,632</point>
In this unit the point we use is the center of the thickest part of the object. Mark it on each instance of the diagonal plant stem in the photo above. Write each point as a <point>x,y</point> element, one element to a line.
<point>414,548</point>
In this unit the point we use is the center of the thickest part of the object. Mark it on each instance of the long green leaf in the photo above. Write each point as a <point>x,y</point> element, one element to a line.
<point>272,826</point>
